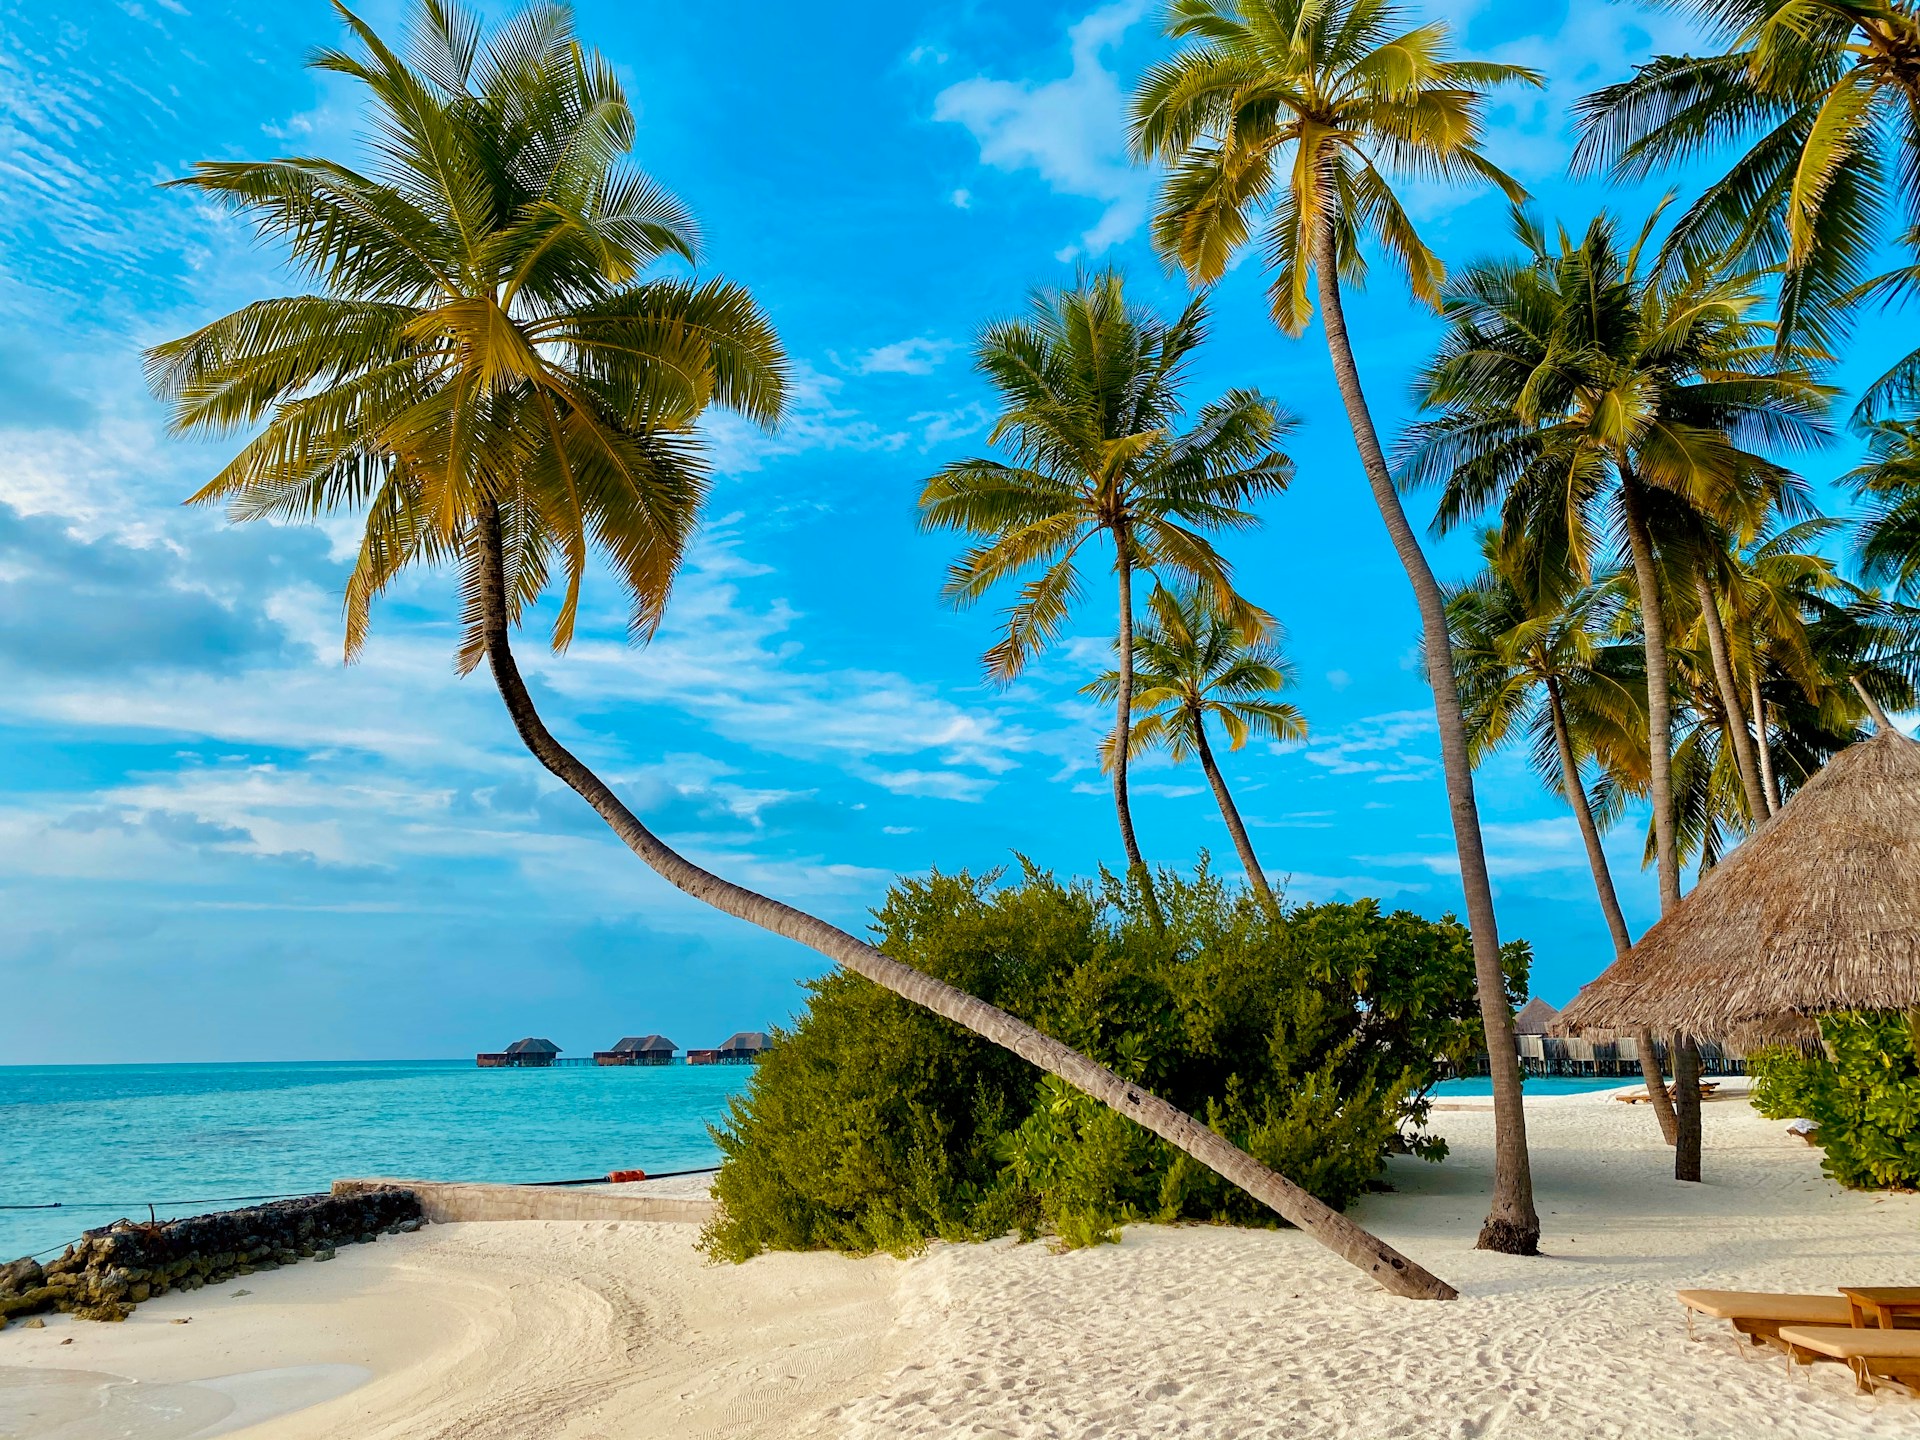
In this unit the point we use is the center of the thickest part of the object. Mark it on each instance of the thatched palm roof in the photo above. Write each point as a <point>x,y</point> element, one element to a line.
<point>533,1045</point>
<point>1534,1017</point>
<point>753,1041</point>
<point>1818,910</point>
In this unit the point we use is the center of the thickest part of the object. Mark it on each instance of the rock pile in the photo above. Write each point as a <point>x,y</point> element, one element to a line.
<point>104,1274</point>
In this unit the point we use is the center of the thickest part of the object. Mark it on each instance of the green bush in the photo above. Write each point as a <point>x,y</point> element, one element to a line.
<point>1867,1099</point>
<point>1310,1038</point>
<point>1783,1081</point>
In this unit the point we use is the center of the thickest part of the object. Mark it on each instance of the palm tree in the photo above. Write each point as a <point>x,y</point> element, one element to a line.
<point>1825,96</point>
<point>1888,482</point>
<point>1191,663</point>
<point>1537,660</point>
<point>1090,393</point>
<point>482,371</point>
<point>1299,111</point>
<point>1574,387</point>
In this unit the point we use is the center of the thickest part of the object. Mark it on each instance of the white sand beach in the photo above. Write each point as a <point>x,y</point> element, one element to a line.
<point>598,1331</point>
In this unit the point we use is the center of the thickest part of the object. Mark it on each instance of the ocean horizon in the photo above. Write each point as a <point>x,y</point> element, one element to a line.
<point>106,1141</point>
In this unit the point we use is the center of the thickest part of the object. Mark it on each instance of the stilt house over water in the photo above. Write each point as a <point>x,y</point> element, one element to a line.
<point>638,1050</point>
<point>743,1047</point>
<point>531,1052</point>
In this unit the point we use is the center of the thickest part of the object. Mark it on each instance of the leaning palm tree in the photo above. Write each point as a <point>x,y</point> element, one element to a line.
<point>481,372</point>
<point>1300,111</point>
<point>1573,388</point>
<point>1824,96</point>
<point>1192,664</point>
<point>1091,402</point>
<point>1537,660</point>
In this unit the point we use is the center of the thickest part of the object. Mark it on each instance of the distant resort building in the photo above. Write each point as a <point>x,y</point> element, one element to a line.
<point>529,1053</point>
<point>743,1047</point>
<point>638,1050</point>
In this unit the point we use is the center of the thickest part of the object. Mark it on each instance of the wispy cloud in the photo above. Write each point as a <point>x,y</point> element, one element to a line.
<point>1072,130</point>
<point>918,356</point>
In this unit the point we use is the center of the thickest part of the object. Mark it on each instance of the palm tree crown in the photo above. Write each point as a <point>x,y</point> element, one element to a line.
<point>1826,93</point>
<point>1572,369</point>
<point>1304,109</point>
<point>1090,391</point>
<point>479,342</point>
<point>1191,665</point>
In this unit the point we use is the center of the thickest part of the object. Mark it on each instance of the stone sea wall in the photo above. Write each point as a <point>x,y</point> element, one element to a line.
<point>104,1274</point>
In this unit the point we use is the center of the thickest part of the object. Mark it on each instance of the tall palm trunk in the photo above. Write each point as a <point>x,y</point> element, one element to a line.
<point>1666,841</point>
<point>1230,813</point>
<point>1137,870</point>
<point>1730,701</point>
<point>1763,744</point>
<point>1512,1224</point>
<point>1391,1269</point>
<point>1609,901</point>
<point>1653,625</point>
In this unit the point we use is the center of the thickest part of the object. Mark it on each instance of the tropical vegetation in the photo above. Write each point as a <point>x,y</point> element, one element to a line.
<point>505,346</point>
<point>1309,1038</point>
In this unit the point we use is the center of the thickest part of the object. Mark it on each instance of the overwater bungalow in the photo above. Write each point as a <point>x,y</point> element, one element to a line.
<point>638,1050</point>
<point>743,1047</point>
<point>531,1052</point>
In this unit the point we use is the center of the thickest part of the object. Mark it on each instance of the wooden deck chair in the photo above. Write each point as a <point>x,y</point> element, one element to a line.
<point>1889,1358</point>
<point>1759,1315</point>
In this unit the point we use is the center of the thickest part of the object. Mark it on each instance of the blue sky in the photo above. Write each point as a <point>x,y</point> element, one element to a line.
<point>218,842</point>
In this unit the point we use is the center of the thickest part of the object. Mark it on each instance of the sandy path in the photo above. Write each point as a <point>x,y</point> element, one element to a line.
<point>603,1332</point>
<point>1217,1332</point>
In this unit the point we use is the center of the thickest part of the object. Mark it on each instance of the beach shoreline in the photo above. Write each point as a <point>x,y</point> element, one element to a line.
<point>600,1330</point>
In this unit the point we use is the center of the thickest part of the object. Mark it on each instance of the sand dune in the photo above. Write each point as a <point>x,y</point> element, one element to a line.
<point>602,1332</point>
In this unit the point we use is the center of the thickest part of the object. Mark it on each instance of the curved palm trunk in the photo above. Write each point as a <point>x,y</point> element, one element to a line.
<point>1123,727</point>
<point>1730,702</point>
<point>1512,1224</point>
<point>1230,813</point>
<point>1609,901</point>
<point>1653,623</point>
<point>1391,1269</point>
<point>1763,745</point>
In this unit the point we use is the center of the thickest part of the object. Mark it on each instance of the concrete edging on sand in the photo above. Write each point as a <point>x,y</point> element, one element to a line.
<point>448,1202</point>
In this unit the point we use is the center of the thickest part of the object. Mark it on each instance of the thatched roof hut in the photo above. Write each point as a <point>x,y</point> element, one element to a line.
<point>1534,1018</point>
<point>1818,910</point>
<point>533,1045</point>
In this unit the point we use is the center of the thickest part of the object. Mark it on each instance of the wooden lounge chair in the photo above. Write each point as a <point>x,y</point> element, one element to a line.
<point>1759,1315</point>
<point>1876,1357</point>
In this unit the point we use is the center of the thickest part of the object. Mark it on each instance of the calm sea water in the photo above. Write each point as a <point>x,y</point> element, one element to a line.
<point>1538,1084</point>
<point>112,1138</point>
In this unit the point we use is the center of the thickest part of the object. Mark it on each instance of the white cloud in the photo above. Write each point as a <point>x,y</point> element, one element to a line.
<point>917,356</point>
<point>1386,748</point>
<point>962,199</point>
<point>1072,130</point>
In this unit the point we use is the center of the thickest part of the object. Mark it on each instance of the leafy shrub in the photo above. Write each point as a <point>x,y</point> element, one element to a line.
<point>1310,1038</point>
<point>1867,1099</point>
<point>1783,1081</point>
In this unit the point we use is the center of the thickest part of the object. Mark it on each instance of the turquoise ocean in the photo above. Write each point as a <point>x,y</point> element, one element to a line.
<point>105,1141</point>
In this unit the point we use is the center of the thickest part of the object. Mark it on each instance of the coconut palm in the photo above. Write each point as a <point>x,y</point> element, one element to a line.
<point>1301,113</point>
<point>1576,388</point>
<point>1824,96</point>
<point>1192,664</point>
<point>481,371</point>
<point>1579,391</point>
<point>1538,660</point>
<point>1091,402</point>
<point>1888,482</point>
